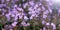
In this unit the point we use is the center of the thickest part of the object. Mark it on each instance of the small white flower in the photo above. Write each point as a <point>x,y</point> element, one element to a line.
<point>52,24</point>
<point>48,23</point>
<point>25,17</point>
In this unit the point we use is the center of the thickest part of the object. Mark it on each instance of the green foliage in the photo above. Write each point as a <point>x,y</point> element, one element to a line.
<point>41,25</point>
<point>21,28</point>
<point>1,26</point>
<point>8,22</point>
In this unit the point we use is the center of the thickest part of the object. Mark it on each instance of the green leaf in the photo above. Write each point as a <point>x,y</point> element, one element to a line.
<point>1,26</point>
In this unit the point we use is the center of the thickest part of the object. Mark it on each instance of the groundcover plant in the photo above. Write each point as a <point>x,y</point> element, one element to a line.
<point>29,15</point>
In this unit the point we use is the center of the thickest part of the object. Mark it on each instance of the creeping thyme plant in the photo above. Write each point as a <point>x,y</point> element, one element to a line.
<point>29,15</point>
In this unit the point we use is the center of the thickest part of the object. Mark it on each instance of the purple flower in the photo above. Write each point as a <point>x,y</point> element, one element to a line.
<point>50,10</point>
<point>7,0</point>
<point>44,16</point>
<point>1,5</point>
<point>59,11</point>
<point>54,26</point>
<point>46,12</point>
<point>11,29</point>
<point>30,13</point>
<point>43,22</point>
<point>2,1</point>
<point>23,0</point>
<point>14,24</point>
<point>15,18</point>
<point>0,9</point>
<point>25,5</point>
<point>20,9</point>
<point>8,16</point>
<point>2,13</point>
<point>44,28</point>
<point>31,17</point>
<point>25,24</point>
<point>12,15</point>
<point>20,17</point>
<point>30,9</point>
<point>47,0</point>
<point>25,17</point>
<point>33,12</point>
<point>39,4</point>
<point>36,5</point>
<point>43,7</point>
<point>15,5</point>
<point>31,3</point>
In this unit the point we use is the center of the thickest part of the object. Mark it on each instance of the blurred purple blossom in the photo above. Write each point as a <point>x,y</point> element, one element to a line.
<point>31,3</point>
<point>26,18</point>
<point>43,22</point>
<point>8,17</point>
<point>25,5</point>
<point>44,16</point>
<point>59,11</point>
<point>25,24</point>
<point>46,12</point>
<point>14,24</point>
<point>54,26</point>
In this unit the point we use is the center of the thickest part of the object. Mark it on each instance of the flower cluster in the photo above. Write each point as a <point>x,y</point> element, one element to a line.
<point>27,13</point>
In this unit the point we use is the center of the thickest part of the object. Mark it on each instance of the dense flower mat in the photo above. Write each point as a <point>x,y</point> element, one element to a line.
<point>29,15</point>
